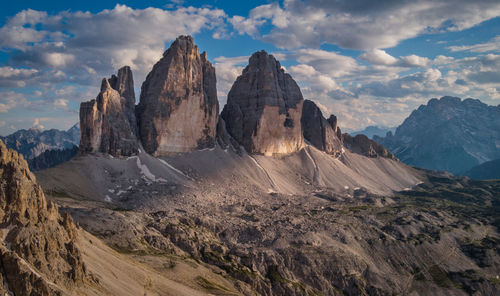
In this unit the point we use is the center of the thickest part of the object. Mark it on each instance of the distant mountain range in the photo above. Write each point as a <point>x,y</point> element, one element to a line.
<point>486,171</point>
<point>447,134</point>
<point>44,149</point>
<point>373,130</point>
<point>33,142</point>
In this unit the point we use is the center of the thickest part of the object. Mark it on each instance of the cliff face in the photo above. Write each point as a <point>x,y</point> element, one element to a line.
<point>108,123</point>
<point>178,109</point>
<point>37,252</point>
<point>264,108</point>
<point>321,133</point>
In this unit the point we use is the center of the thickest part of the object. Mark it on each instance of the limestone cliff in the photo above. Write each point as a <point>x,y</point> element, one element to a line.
<point>108,123</point>
<point>178,108</point>
<point>264,108</point>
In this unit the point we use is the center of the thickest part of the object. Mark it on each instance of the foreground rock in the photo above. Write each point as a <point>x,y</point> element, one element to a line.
<point>38,252</point>
<point>108,123</point>
<point>178,109</point>
<point>321,133</point>
<point>264,108</point>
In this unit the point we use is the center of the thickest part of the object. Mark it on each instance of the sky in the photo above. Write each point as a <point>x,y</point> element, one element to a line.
<point>368,62</point>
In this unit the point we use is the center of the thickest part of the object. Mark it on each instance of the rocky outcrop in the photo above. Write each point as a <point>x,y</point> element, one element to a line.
<point>320,132</point>
<point>361,144</point>
<point>178,108</point>
<point>108,123</point>
<point>38,255</point>
<point>264,108</point>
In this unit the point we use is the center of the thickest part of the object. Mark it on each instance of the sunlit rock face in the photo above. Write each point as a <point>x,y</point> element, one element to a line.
<point>264,108</point>
<point>38,245</point>
<point>178,108</point>
<point>321,133</point>
<point>108,123</point>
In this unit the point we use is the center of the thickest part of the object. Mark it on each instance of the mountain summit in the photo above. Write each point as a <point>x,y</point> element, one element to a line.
<point>178,110</point>
<point>264,107</point>
<point>447,134</point>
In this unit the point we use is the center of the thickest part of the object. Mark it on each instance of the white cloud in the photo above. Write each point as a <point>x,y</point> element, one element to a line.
<point>102,41</point>
<point>363,24</point>
<point>10,100</point>
<point>492,45</point>
<point>378,57</point>
<point>227,70</point>
<point>61,103</point>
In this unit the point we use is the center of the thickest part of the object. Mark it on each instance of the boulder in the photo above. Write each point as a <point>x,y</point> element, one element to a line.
<point>264,107</point>
<point>178,109</point>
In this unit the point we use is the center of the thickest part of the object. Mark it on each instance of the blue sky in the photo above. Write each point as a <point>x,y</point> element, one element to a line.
<point>368,62</point>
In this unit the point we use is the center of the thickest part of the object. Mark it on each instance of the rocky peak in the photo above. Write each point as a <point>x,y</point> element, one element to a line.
<point>363,145</point>
<point>124,85</point>
<point>108,123</point>
<point>320,132</point>
<point>447,134</point>
<point>178,108</point>
<point>38,255</point>
<point>264,108</point>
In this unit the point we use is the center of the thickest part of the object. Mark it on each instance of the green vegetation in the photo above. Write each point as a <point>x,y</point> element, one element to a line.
<point>213,287</point>
<point>439,276</point>
<point>274,275</point>
<point>56,193</point>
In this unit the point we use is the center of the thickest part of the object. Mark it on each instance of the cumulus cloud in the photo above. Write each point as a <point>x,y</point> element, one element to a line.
<point>228,69</point>
<point>10,100</point>
<point>378,57</point>
<point>363,24</point>
<point>103,41</point>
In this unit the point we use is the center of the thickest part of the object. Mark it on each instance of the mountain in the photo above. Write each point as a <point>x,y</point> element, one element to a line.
<point>108,123</point>
<point>373,130</point>
<point>270,198</point>
<point>447,134</point>
<point>485,171</point>
<point>33,142</point>
<point>179,109</point>
<point>264,108</point>
<point>321,133</point>
<point>50,158</point>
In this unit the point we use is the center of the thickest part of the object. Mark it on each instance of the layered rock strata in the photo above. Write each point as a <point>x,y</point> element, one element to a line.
<point>108,123</point>
<point>178,108</point>
<point>264,107</point>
